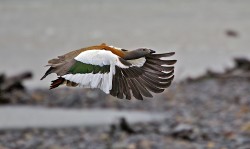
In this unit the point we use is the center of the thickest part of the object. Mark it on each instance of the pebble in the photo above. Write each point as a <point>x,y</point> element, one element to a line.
<point>209,113</point>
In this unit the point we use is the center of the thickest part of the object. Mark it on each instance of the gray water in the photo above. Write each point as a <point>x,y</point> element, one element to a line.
<point>37,117</point>
<point>33,31</point>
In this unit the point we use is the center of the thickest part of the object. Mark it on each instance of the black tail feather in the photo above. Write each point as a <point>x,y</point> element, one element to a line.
<point>49,71</point>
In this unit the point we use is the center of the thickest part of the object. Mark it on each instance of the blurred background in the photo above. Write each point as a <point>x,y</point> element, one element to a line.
<point>206,107</point>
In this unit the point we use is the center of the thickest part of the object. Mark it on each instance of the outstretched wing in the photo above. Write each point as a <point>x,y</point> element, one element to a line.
<point>142,76</point>
<point>91,69</point>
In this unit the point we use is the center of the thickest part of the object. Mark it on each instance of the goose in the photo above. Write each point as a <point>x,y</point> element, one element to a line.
<point>119,72</point>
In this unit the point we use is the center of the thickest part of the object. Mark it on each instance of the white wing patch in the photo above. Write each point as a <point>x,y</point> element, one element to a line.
<point>98,80</point>
<point>97,57</point>
<point>90,80</point>
<point>138,62</point>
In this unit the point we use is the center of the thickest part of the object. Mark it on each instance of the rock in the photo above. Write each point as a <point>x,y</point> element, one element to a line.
<point>210,145</point>
<point>15,82</point>
<point>131,146</point>
<point>183,131</point>
<point>124,126</point>
<point>242,63</point>
<point>246,127</point>
<point>232,33</point>
<point>119,146</point>
<point>57,147</point>
<point>145,144</point>
<point>12,90</point>
<point>164,129</point>
<point>1,147</point>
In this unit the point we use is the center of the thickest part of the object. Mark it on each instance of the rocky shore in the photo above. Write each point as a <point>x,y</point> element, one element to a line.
<point>209,112</point>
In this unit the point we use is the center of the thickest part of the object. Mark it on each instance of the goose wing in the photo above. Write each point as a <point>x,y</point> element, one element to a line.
<point>143,76</point>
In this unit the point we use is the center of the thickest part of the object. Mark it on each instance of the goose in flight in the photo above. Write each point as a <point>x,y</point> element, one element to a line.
<point>118,72</point>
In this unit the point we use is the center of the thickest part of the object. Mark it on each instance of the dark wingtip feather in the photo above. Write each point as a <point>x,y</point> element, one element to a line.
<point>161,62</point>
<point>161,55</point>
<point>56,83</point>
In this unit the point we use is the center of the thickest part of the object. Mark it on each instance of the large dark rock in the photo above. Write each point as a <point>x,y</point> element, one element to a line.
<point>12,89</point>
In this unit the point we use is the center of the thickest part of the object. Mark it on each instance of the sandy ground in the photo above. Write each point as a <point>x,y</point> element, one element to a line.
<point>31,32</point>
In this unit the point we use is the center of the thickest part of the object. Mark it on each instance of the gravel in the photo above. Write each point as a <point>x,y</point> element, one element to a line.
<point>209,113</point>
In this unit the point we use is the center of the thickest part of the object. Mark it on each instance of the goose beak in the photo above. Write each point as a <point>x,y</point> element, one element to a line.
<point>152,51</point>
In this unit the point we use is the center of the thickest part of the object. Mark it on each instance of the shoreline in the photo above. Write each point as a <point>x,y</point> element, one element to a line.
<point>208,112</point>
